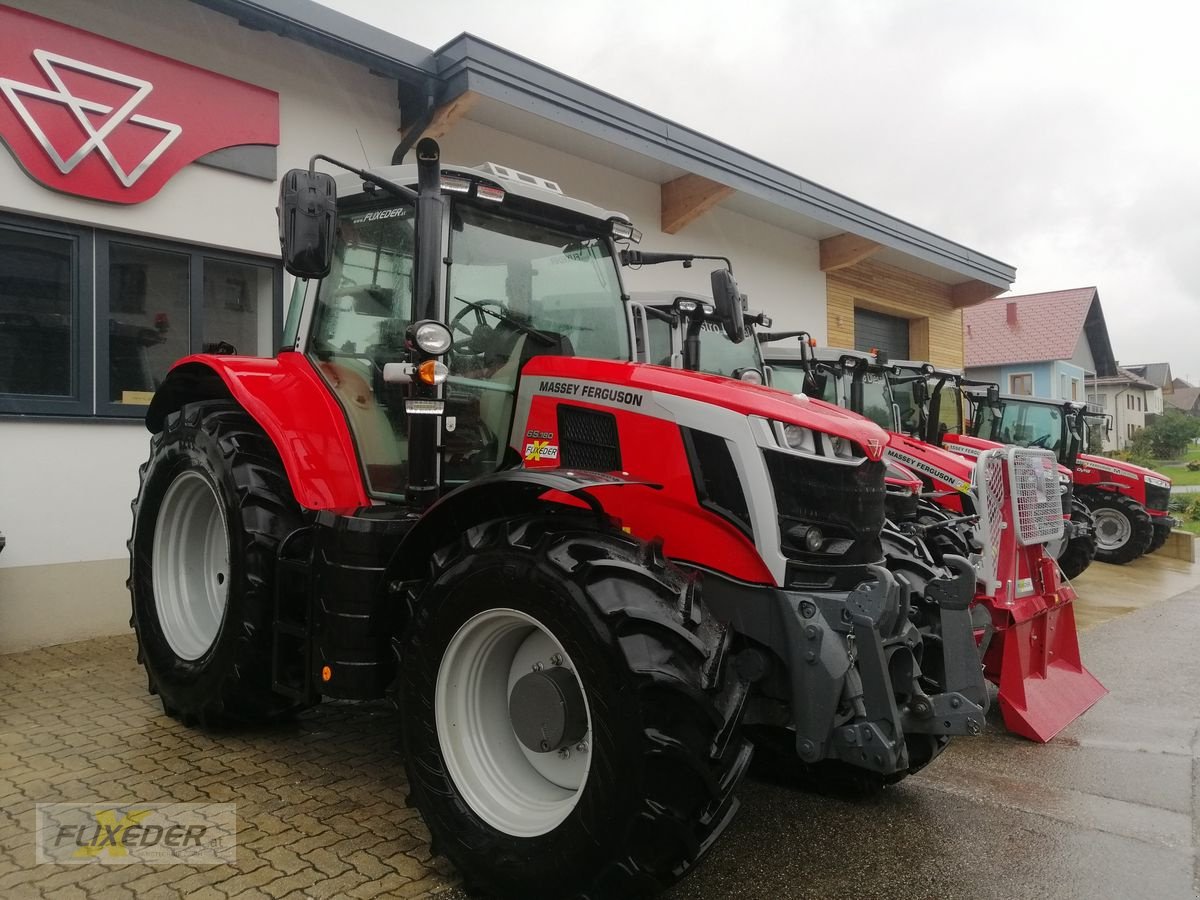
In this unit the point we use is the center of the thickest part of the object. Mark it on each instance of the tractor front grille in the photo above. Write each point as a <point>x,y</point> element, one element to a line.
<point>1157,497</point>
<point>845,502</point>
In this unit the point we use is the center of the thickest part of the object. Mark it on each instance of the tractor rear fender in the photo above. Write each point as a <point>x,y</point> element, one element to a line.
<point>506,494</point>
<point>290,402</point>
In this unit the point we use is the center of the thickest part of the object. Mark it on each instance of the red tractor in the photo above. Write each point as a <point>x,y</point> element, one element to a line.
<point>1128,503</point>
<point>1003,510</point>
<point>585,580</point>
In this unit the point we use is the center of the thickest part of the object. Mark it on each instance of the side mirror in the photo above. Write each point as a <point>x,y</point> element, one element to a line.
<point>920,392</point>
<point>307,222</point>
<point>728,299</point>
<point>993,396</point>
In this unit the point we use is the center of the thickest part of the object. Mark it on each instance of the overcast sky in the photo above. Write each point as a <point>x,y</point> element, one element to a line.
<point>1060,136</point>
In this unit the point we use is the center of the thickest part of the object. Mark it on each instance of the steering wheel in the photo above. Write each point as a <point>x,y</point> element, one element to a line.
<point>1040,441</point>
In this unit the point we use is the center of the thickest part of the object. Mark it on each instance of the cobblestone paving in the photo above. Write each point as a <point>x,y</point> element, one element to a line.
<point>320,802</point>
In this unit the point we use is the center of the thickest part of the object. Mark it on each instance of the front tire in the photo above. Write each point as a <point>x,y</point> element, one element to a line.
<point>1123,527</point>
<point>1079,552</point>
<point>1161,533</point>
<point>212,507</point>
<point>644,695</point>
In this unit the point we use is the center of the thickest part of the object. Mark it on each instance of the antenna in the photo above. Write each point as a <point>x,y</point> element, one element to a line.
<point>366,159</point>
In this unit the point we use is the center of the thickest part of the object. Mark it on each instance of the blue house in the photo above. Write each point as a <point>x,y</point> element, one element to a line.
<point>1053,344</point>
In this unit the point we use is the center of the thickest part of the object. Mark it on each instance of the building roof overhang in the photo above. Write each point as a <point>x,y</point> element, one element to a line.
<point>523,97</point>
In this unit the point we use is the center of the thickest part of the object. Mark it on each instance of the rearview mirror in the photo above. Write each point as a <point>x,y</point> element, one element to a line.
<point>993,396</point>
<point>728,300</point>
<point>307,222</point>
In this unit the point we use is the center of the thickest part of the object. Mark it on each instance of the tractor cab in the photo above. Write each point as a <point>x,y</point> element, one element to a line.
<point>1056,425</point>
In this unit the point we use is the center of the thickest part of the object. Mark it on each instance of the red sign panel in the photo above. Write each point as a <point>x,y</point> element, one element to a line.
<point>90,116</point>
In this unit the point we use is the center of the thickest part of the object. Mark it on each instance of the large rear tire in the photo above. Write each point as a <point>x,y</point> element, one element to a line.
<point>639,767</point>
<point>1079,552</point>
<point>213,505</point>
<point>1123,527</point>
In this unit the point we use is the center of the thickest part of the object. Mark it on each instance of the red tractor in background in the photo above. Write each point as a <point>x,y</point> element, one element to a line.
<point>1126,503</point>
<point>1002,509</point>
<point>585,580</point>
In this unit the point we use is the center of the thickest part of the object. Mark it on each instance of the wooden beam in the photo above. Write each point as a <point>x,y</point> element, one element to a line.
<point>844,250</point>
<point>968,293</point>
<point>686,199</point>
<point>446,116</point>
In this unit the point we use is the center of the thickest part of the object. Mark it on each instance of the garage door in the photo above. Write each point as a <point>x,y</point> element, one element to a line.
<point>875,331</point>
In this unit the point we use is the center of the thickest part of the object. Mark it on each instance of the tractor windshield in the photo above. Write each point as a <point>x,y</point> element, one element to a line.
<point>1024,424</point>
<point>877,400</point>
<point>791,378</point>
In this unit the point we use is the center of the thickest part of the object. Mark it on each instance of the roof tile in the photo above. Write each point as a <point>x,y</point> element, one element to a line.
<point>1048,327</point>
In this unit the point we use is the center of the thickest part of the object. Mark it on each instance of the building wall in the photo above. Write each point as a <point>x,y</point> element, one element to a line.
<point>66,485</point>
<point>935,326</point>
<point>1114,399</point>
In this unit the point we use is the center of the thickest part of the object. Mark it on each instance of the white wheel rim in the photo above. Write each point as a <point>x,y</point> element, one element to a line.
<point>190,565</point>
<point>512,788</point>
<point>1112,529</point>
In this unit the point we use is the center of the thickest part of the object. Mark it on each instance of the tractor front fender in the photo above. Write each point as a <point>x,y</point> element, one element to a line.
<point>290,402</point>
<point>504,494</point>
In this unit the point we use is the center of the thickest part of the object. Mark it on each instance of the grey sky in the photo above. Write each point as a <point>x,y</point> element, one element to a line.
<point>1062,136</point>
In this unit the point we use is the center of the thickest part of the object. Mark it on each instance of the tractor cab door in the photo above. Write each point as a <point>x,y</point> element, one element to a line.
<point>361,312</point>
<point>516,289</point>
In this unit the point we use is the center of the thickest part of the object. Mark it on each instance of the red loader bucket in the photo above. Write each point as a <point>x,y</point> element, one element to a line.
<point>1034,658</point>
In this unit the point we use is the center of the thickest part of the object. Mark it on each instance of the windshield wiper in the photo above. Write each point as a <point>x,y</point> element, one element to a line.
<point>516,323</point>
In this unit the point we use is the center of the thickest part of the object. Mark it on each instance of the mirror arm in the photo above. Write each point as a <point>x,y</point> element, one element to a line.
<point>388,185</point>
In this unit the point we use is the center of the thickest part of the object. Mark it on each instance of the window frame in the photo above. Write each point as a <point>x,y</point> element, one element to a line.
<point>83,320</point>
<point>196,253</point>
<point>1012,388</point>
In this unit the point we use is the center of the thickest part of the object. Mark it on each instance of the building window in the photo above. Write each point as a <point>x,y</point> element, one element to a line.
<point>1130,429</point>
<point>45,334</point>
<point>1098,401</point>
<point>71,346</point>
<point>1074,388</point>
<point>1021,385</point>
<point>1139,403</point>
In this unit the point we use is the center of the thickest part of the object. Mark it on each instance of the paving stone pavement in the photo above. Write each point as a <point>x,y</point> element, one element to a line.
<point>320,802</point>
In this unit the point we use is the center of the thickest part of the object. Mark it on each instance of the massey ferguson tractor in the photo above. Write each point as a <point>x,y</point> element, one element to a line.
<point>1126,505</point>
<point>585,580</point>
<point>1002,509</point>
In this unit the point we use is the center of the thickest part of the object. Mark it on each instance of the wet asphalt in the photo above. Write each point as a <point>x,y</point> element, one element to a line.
<point>1108,809</point>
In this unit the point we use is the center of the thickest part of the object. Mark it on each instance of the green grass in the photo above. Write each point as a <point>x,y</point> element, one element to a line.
<point>1193,527</point>
<point>1177,474</point>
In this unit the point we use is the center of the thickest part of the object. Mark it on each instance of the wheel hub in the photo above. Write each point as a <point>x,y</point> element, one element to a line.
<point>547,711</point>
<point>1112,529</point>
<point>190,565</point>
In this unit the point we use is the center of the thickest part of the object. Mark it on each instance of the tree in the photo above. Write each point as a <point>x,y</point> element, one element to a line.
<point>1167,437</point>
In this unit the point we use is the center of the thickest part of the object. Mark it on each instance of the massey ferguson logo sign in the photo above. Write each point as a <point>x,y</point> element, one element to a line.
<point>90,116</point>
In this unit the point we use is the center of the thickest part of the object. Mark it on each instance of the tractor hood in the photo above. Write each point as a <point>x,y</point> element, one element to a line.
<point>631,383</point>
<point>1118,467</point>
<point>930,461</point>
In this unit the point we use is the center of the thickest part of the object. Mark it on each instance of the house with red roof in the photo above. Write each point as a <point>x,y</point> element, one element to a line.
<point>1053,344</point>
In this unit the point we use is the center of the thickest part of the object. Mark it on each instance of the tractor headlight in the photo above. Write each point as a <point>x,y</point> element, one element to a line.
<point>840,446</point>
<point>432,338</point>
<point>1158,482</point>
<point>799,438</point>
<point>749,375</point>
<point>1064,483</point>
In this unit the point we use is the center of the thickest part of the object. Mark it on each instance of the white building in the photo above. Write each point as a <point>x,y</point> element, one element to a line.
<point>137,224</point>
<point>1128,399</point>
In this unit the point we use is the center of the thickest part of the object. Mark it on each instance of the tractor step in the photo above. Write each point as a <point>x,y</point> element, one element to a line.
<point>292,632</point>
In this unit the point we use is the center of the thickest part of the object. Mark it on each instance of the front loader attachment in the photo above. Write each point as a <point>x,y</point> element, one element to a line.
<point>1034,659</point>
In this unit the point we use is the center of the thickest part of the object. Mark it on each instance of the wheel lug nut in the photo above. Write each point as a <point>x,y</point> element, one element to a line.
<point>582,746</point>
<point>537,667</point>
<point>564,753</point>
<point>556,659</point>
